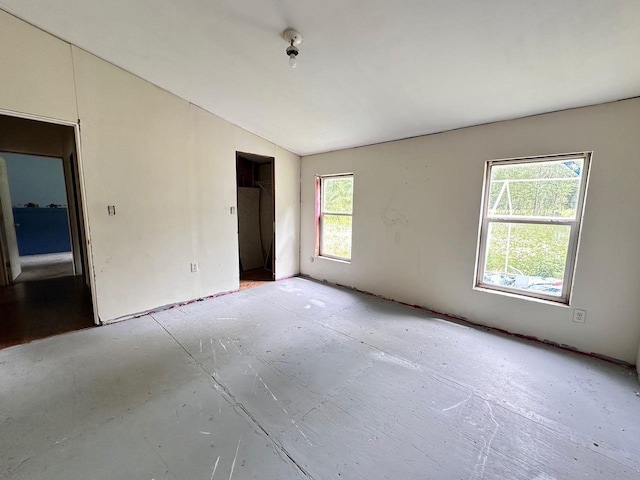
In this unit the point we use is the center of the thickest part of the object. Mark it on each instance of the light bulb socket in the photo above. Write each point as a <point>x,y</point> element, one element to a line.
<point>293,38</point>
<point>292,50</point>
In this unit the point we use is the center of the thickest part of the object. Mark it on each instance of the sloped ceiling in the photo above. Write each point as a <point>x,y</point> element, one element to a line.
<point>369,70</point>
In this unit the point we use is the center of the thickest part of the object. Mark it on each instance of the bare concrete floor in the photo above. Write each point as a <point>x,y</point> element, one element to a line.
<point>296,379</point>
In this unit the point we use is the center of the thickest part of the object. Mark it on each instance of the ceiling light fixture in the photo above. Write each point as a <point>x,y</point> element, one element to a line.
<point>293,38</point>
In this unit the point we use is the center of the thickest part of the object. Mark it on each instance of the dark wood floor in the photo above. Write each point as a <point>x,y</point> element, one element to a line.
<point>39,309</point>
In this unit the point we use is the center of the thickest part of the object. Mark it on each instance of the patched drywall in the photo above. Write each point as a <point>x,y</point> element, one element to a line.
<point>167,165</point>
<point>415,224</point>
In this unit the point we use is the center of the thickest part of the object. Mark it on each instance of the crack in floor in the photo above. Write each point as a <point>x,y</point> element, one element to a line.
<point>554,426</point>
<point>233,401</point>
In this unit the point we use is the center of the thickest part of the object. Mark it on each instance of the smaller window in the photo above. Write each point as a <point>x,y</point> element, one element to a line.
<point>334,213</point>
<point>530,228</point>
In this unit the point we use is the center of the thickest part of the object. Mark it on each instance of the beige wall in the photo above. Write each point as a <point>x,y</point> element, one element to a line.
<point>168,167</point>
<point>415,226</point>
<point>37,71</point>
<point>287,172</point>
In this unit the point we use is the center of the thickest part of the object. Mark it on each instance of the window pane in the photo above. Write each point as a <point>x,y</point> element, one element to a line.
<point>338,194</point>
<point>336,236</point>
<point>536,189</point>
<point>527,256</point>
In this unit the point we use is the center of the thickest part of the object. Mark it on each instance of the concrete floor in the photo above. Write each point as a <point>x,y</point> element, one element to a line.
<point>297,380</point>
<point>48,265</point>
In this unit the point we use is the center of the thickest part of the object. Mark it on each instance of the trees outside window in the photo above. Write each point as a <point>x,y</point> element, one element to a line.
<point>335,215</point>
<point>530,228</point>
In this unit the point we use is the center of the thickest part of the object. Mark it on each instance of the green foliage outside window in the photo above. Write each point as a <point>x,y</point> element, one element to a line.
<point>337,198</point>
<point>542,191</point>
<point>534,250</point>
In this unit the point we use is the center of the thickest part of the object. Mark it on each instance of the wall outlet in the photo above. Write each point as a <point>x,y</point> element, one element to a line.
<point>194,267</point>
<point>579,316</point>
<point>232,211</point>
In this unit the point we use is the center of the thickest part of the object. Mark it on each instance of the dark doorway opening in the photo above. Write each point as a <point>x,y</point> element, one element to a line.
<point>44,286</point>
<point>256,218</point>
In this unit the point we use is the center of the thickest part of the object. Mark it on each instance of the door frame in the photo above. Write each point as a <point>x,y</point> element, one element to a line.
<point>82,196</point>
<point>272,163</point>
<point>273,197</point>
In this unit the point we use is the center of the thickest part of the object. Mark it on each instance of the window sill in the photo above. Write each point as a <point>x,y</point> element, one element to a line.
<point>333,259</point>
<point>555,303</point>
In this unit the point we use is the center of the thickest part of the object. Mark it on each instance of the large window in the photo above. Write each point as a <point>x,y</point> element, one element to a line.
<point>334,207</point>
<point>531,216</point>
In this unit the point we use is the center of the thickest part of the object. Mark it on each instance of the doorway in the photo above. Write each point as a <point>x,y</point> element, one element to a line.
<point>34,200</point>
<point>45,288</point>
<point>256,218</point>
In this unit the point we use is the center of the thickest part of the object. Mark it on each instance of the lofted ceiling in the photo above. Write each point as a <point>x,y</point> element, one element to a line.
<point>369,71</point>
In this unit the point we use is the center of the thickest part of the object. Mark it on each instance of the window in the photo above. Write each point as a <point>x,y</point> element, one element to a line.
<point>530,226</point>
<point>334,212</point>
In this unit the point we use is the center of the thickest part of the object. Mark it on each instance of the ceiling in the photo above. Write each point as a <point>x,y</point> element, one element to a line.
<point>369,71</point>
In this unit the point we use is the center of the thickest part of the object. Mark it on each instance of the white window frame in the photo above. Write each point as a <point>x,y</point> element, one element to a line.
<point>322,213</point>
<point>574,223</point>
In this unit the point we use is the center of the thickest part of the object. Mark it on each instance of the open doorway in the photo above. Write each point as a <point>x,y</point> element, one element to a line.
<point>34,188</point>
<point>44,285</point>
<point>256,219</point>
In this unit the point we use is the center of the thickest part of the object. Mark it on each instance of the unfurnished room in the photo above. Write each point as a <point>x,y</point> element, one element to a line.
<point>319,240</point>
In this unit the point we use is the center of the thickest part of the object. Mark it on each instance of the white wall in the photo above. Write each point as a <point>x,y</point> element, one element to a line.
<point>415,226</point>
<point>287,173</point>
<point>168,167</point>
<point>37,71</point>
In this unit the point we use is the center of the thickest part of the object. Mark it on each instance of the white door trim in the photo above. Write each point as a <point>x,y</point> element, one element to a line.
<point>85,218</point>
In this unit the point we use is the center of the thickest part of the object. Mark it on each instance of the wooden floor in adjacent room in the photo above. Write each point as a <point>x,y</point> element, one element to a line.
<point>301,380</point>
<point>42,308</point>
<point>255,278</point>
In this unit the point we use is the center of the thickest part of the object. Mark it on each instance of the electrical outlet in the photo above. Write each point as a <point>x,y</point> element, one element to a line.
<point>194,267</point>
<point>579,316</point>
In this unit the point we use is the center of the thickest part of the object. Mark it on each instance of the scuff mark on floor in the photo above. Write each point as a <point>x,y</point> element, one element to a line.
<point>275,399</point>
<point>485,451</point>
<point>232,400</point>
<point>396,360</point>
<point>233,465</point>
<point>215,467</point>
<point>459,403</point>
